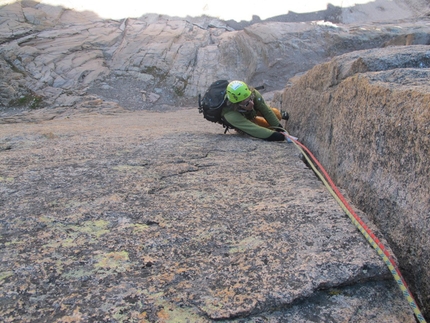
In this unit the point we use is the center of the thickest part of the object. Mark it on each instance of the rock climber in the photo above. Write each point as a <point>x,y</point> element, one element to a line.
<point>247,112</point>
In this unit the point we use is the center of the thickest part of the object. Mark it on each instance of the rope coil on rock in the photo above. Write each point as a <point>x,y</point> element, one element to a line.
<point>364,229</point>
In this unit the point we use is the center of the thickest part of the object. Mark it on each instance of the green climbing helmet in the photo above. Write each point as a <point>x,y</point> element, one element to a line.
<point>237,91</point>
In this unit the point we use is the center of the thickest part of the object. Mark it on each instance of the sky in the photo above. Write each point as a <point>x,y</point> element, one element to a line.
<point>223,9</point>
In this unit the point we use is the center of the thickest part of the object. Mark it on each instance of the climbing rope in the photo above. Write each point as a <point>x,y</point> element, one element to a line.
<point>364,229</point>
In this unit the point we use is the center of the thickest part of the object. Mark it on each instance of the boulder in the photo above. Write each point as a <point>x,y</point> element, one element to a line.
<point>366,117</point>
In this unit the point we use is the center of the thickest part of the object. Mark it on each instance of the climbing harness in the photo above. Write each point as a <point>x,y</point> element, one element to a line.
<point>364,229</point>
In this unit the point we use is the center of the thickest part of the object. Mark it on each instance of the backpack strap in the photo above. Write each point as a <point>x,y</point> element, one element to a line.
<point>227,126</point>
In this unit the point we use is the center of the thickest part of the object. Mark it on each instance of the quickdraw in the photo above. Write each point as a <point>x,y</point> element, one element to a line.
<point>364,229</point>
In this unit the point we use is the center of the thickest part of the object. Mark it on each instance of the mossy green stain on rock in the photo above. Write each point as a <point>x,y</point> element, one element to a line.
<point>77,274</point>
<point>13,242</point>
<point>113,260</point>
<point>246,244</point>
<point>6,179</point>
<point>75,235</point>
<point>32,101</point>
<point>138,228</point>
<point>6,274</point>
<point>95,228</point>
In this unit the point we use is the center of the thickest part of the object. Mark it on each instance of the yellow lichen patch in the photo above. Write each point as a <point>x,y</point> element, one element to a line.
<point>73,204</point>
<point>4,275</point>
<point>14,242</point>
<point>96,228</point>
<point>6,179</point>
<point>67,243</point>
<point>140,227</point>
<point>74,235</point>
<point>76,274</point>
<point>60,265</point>
<point>246,244</point>
<point>118,261</point>
<point>45,219</point>
<point>171,313</point>
<point>120,315</point>
<point>334,292</point>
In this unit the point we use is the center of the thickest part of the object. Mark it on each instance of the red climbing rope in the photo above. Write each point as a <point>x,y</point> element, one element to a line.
<point>364,229</point>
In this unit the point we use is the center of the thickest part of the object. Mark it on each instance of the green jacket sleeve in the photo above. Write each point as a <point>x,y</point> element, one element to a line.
<point>240,122</point>
<point>261,106</point>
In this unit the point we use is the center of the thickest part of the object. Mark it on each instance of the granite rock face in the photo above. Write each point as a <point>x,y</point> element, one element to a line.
<point>366,115</point>
<point>120,203</point>
<point>120,218</point>
<point>51,56</point>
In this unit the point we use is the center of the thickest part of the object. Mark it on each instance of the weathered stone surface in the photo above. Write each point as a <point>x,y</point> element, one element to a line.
<point>366,116</point>
<point>110,215</point>
<point>122,218</point>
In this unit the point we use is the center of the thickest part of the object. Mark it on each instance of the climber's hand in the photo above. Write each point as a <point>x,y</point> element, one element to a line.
<point>288,137</point>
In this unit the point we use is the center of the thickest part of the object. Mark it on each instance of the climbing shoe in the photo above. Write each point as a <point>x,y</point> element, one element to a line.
<point>285,116</point>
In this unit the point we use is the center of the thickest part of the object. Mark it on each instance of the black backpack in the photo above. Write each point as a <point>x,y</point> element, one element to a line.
<point>213,101</point>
